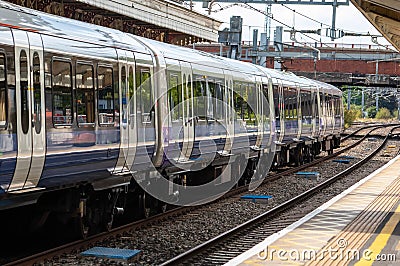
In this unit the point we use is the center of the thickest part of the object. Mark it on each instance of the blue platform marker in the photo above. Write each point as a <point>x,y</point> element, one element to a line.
<point>308,174</point>
<point>341,161</point>
<point>347,157</point>
<point>254,198</point>
<point>112,253</point>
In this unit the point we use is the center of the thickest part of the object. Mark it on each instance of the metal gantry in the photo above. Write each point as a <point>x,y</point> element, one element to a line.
<point>334,3</point>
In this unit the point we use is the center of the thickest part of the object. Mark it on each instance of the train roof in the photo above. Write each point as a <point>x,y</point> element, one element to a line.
<point>31,20</point>
<point>200,57</point>
<point>23,18</point>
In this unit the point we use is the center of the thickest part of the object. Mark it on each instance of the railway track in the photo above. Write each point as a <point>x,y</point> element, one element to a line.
<point>232,243</point>
<point>81,245</point>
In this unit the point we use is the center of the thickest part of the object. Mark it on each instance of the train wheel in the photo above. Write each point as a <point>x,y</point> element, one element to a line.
<point>145,201</point>
<point>298,156</point>
<point>82,227</point>
<point>82,223</point>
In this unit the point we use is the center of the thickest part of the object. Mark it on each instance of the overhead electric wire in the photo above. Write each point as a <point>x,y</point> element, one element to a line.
<point>244,4</point>
<point>286,25</point>
<point>319,22</point>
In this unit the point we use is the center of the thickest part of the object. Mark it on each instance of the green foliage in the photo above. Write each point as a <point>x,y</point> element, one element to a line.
<point>371,111</point>
<point>395,114</point>
<point>357,110</point>
<point>351,115</point>
<point>383,113</point>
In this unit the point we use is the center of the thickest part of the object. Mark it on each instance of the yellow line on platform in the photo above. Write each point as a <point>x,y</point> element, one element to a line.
<point>381,240</point>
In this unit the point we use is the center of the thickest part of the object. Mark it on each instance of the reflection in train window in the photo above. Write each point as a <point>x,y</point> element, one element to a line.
<point>105,96</point>
<point>124,95</point>
<point>200,98</point>
<point>277,102</point>
<point>3,90</point>
<point>216,91</point>
<point>144,97</point>
<point>218,100</point>
<point>238,100</point>
<point>131,91</point>
<point>175,97</point>
<point>84,94</point>
<point>62,93</point>
<point>251,104</point>
<point>23,64</point>
<point>37,97</point>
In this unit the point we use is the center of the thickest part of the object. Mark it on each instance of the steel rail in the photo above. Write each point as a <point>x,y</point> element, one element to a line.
<point>84,243</point>
<point>354,133</point>
<point>273,212</point>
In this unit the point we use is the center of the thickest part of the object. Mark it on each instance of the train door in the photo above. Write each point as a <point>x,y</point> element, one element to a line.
<point>314,112</point>
<point>321,112</point>
<point>188,117</point>
<point>267,113</point>
<point>299,112</point>
<point>131,114</point>
<point>229,115</point>
<point>120,167</point>
<point>145,90</point>
<point>259,113</point>
<point>29,74</point>
<point>280,107</point>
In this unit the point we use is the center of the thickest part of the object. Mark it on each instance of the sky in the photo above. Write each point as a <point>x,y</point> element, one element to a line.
<point>348,18</point>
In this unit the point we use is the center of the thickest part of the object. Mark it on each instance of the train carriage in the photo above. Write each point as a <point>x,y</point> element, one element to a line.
<point>90,116</point>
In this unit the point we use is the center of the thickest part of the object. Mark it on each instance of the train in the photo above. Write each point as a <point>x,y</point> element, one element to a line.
<point>92,119</point>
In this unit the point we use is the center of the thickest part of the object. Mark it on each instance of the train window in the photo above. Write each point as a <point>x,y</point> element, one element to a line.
<point>314,106</point>
<point>276,101</point>
<point>218,101</point>
<point>237,99</point>
<point>37,96</point>
<point>124,95</point>
<point>200,96</point>
<point>175,96</point>
<point>265,92</point>
<point>84,94</point>
<point>3,90</point>
<point>290,97</point>
<point>23,63</point>
<point>187,94</point>
<point>321,103</point>
<point>252,104</point>
<point>327,104</point>
<point>337,107</point>
<point>131,91</point>
<point>106,96</point>
<point>143,86</point>
<point>62,93</point>
<point>305,104</point>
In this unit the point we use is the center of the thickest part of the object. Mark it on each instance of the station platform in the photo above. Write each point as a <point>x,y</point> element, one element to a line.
<point>361,226</point>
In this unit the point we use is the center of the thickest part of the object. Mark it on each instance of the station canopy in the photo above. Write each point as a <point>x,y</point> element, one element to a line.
<point>163,20</point>
<point>384,15</point>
